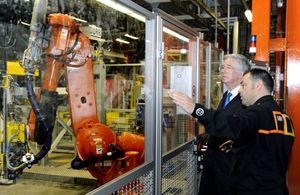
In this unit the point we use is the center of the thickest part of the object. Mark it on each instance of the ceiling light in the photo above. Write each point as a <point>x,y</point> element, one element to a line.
<point>130,36</point>
<point>123,9</point>
<point>279,3</point>
<point>122,41</point>
<point>248,15</point>
<point>183,51</point>
<point>175,34</point>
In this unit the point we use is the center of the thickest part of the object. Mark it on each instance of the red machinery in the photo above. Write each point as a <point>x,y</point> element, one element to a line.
<point>287,58</point>
<point>59,41</point>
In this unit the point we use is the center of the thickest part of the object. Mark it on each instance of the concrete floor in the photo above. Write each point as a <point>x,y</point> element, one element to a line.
<point>56,177</point>
<point>40,187</point>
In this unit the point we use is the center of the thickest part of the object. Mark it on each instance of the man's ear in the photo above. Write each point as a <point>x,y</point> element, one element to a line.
<point>259,84</point>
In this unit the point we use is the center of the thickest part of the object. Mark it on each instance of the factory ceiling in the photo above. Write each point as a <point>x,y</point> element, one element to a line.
<point>201,15</point>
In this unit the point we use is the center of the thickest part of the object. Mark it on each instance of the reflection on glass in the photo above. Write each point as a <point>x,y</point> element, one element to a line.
<point>117,44</point>
<point>122,53</point>
<point>177,75</point>
<point>215,82</point>
<point>203,73</point>
<point>175,34</point>
<point>116,6</point>
<point>202,80</point>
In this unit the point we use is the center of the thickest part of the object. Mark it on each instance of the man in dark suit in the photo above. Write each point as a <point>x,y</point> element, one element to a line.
<point>262,134</point>
<point>217,163</point>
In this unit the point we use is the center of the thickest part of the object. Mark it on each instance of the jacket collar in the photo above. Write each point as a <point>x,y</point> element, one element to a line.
<point>263,99</point>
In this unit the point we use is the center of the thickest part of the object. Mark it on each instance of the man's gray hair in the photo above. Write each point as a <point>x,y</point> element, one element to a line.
<point>241,61</point>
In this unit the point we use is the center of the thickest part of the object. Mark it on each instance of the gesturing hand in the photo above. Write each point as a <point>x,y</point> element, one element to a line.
<point>182,100</point>
<point>226,146</point>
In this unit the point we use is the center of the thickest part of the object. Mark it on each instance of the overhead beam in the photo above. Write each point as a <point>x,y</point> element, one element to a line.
<point>210,12</point>
<point>184,17</point>
<point>245,4</point>
<point>202,23</point>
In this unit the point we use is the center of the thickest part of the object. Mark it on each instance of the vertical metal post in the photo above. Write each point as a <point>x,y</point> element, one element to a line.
<point>235,48</point>
<point>198,71</point>
<point>4,111</point>
<point>221,55</point>
<point>100,69</point>
<point>151,59</point>
<point>158,119</point>
<point>208,70</point>
<point>197,98</point>
<point>228,26</point>
<point>216,21</point>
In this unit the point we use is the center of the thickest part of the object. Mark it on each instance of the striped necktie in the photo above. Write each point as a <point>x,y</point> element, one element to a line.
<point>227,100</point>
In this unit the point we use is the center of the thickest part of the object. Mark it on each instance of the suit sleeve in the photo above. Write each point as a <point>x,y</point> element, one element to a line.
<point>223,125</point>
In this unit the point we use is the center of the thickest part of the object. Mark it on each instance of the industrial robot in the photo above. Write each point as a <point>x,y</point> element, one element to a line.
<point>57,42</point>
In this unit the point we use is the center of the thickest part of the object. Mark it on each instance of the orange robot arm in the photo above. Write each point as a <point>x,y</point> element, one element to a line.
<point>97,146</point>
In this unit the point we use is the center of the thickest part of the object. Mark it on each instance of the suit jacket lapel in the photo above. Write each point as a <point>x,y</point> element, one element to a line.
<point>220,106</point>
<point>236,98</point>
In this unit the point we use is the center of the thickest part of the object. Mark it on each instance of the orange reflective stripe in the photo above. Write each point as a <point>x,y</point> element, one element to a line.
<point>274,131</point>
<point>275,119</point>
<point>282,123</point>
<point>270,131</point>
<point>287,129</point>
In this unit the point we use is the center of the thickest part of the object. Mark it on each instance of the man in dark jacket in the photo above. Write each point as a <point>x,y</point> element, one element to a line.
<point>217,164</point>
<point>263,136</point>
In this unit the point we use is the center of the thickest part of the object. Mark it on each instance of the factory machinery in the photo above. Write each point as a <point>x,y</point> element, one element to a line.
<point>57,42</point>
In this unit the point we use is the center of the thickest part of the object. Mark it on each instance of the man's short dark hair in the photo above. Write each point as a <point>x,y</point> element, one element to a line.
<point>264,76</point>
